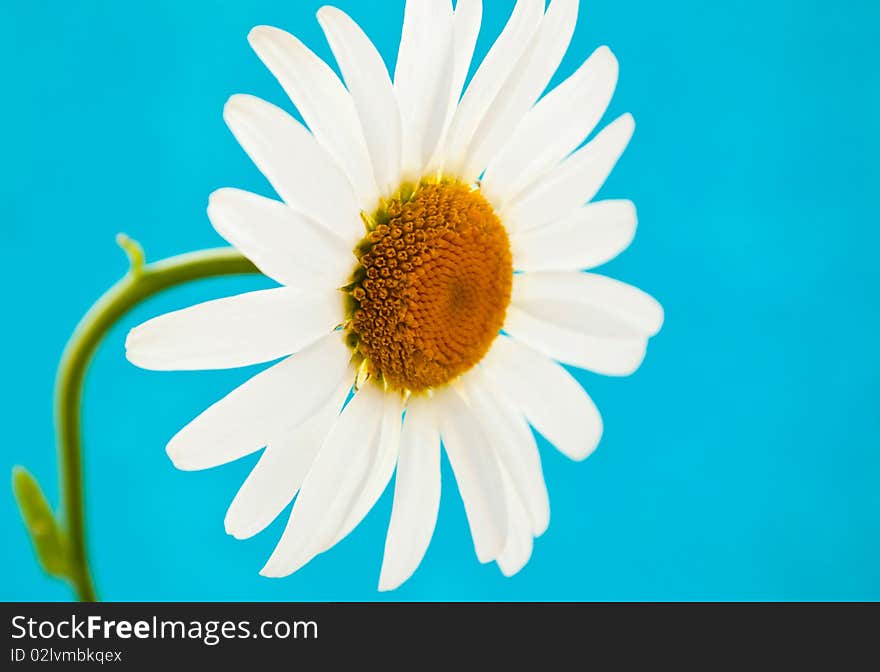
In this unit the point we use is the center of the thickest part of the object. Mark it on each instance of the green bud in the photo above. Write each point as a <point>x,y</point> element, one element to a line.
<point>40,522</point>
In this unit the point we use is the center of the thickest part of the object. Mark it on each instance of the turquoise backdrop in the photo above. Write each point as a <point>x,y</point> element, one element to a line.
<point>741,462</point>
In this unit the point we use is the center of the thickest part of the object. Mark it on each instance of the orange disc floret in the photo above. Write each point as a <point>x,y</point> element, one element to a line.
<point>431,288</point>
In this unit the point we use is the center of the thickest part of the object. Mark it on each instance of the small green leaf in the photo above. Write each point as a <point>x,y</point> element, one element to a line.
<point>40,522</point>
<point>133,251</point>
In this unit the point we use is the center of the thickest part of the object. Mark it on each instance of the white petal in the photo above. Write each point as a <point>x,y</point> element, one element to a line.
<point>324,103</point>
<point>503,59</point>
<point>477,474</point>
<point>588,303</point>
<point>283,466</point>
<point>527,81</point>
<point>588,237</point>
<point>465,29</point>
<point>423,78</point>
<point>515,447</point>
<point>606,355</point>
<point>234,331</point>
<point>285,245</point>
<point>571,184</point>
<point>416,495</point>
<point>518,547</point>
<point>380,470</point>
<point>333,483</point>
<point>298,168</point>
<point>553,129</point>
<point>367,79</point>
<point>552,400</point>
<point>267,405</point>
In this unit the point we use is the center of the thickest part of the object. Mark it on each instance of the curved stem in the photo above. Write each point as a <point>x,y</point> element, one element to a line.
<point>141,282</point>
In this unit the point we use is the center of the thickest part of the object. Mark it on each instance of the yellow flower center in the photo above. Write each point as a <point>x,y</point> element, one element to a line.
<point>431,287</point>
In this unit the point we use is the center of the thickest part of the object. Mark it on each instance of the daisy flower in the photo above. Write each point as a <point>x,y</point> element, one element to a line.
<point>430,245</point>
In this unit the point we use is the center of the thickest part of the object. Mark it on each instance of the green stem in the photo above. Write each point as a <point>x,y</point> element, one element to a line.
<point>141,282</point>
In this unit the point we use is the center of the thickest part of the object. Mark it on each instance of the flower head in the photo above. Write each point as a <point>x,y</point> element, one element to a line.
<point>430,247</point>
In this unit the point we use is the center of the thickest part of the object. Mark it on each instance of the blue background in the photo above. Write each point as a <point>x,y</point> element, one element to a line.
<point>740,462</point>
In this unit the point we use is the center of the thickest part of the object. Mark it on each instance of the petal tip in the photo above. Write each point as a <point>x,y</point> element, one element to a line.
<point>509,571</point>
<point>180,451</point>
<point>178,458</point>
<point>592,446</point>
<point>130,346</point>
<point>387,584</point>
<point>279,566</point>
<point>328,12</point>
<point>234,528</point>
<point>490,552</point>
<point>606,57</point>
<point>636,362</point>
<point>235,105</point>
<point>219,196</point>
<point>259,33</point>
<point>137,351</point>
<point>660,318</point>
<point>510,568</point>
<point>272,569</point>
<point>603,51</point>
<point>592,433</point>
<point>541,527</point>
